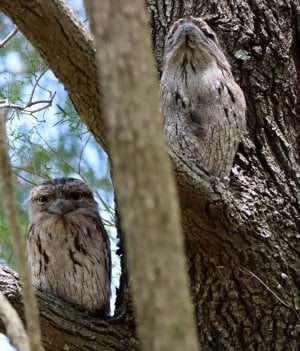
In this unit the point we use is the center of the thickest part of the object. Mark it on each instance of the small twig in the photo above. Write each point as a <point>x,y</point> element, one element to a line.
<point>30,304</point>
<point>8,37</point>
<point>30,170</point>
<point>269,289</point>
<point>81,153</point>
<point>107,208</point>
<point>26,180</point>
<point>6,104</point>
<point>287,304</point>
<point>36,84</point>
<point>13,324</point>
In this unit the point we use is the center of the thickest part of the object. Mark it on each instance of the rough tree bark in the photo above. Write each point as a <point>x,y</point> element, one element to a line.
<point>151,222</point>
<point>242,238</point>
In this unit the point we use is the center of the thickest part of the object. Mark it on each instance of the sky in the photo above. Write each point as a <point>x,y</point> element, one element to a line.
<point>5,344</point>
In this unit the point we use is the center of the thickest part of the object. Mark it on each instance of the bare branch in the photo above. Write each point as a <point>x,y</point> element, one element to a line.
<point>25,107</point>
<point>14,326</point>
<point>36,84</point>
<point>8,37</point>
<point>31,309</point>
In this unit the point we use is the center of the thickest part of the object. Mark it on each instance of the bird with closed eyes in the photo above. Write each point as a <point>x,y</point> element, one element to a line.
<point>68,247</point>
<point>203,106</point>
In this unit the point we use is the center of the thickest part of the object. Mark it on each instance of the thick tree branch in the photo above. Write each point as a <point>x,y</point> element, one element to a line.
<point>68,49</point>
<point>65,328</point>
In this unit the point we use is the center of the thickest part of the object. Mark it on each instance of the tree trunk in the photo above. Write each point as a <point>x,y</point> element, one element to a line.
<point>242,238</point>
<point>151,223</point>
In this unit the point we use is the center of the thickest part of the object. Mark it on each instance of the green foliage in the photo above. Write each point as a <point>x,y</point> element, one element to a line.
<point>6,248</point>
<point>45,141</point>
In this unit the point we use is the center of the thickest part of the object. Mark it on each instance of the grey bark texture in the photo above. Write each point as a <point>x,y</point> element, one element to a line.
<point>153,237</point>
<point>241,238</point>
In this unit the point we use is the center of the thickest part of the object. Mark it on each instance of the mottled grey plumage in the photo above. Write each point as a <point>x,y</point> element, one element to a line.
<point>68,247</point>
<point>203,107</point>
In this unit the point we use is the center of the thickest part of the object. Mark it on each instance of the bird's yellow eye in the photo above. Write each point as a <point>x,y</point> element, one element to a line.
<point>77,195</point>
<point>42,199</point>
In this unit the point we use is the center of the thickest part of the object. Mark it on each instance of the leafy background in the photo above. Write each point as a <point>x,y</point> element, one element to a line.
<point>46,140</point>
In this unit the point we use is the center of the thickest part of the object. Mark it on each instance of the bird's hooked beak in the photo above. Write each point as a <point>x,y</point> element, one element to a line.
<point>61,207</point>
